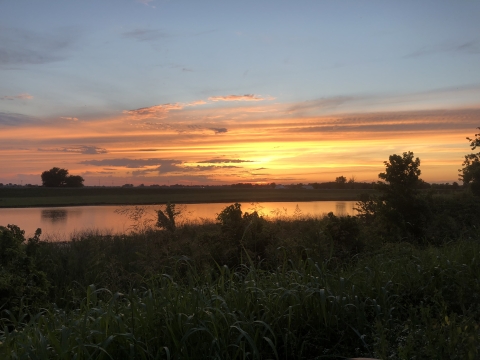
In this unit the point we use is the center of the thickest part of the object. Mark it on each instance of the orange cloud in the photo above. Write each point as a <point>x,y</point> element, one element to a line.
<point>195,103</point>
<point>159,111</point>
<point>153,111</point>
<point>22,96</point>
<point>246,97</point>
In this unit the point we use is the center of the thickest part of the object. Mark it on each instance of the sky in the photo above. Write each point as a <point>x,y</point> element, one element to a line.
<point>221,92</point>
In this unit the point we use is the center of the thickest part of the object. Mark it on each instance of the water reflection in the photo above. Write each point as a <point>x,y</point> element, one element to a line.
<point>64,221</point>
<point>340,208</point>
<point>54,216</point>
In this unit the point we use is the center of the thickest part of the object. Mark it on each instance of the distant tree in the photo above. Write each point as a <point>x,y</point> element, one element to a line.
<point>470,173</point>
<point>56,177</point>
<point>351,182</point>
<point>341,181</point>
<point>74,181</point>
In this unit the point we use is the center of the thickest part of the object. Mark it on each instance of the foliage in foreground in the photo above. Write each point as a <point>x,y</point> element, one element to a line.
<point>20,280</point>
<point>399,303</point>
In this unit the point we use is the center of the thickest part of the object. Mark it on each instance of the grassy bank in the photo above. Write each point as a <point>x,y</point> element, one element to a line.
<point>398,302</point>
<point>34,197</point>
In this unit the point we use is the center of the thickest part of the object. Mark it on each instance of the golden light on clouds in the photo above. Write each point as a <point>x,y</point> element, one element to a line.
<point>246,97</point>
<point>180,143</point>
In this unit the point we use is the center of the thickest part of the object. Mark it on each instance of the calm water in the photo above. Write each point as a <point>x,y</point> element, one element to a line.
<point>60,223</point>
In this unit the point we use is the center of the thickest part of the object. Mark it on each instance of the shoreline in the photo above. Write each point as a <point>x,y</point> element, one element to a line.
<point>48,197</point>
<point>175,202</point>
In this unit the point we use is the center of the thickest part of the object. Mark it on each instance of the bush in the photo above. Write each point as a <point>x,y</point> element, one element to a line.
<point>20,281</point>
<point>166,219</point>
<point>344,232</point>
<point>245,231</point>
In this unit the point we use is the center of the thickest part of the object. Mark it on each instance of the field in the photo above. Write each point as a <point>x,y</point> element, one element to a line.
<point>36,197</point>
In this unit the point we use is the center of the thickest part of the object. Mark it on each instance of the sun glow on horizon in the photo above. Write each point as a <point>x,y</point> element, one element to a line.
<point>289,150</point>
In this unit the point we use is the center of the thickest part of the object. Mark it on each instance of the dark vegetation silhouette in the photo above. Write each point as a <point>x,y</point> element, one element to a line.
<point>341,181</point>
<point>56,177</point>
<point>470,173</point>
<point>166,218</point>
<point>399,211</point>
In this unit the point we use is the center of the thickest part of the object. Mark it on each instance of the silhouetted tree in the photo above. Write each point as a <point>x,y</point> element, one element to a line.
<point>470,173</point>
<point>56,177</point>
<point>74,181</point>
<point>403,206</point>
<point>400,208</point>
<point>401,175</point>
<point>351,182</point>
<point>341,181</point>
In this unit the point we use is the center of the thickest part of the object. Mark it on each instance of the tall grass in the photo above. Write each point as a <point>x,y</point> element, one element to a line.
<point>401,302</point>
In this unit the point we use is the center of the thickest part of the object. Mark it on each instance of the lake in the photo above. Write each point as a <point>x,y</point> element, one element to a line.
<point>59,223</point>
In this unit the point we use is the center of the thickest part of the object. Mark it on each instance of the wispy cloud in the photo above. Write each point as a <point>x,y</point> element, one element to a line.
<point>395,122</point>
<point>212,167</point>
<point>69,118</point>
<point>133,163</point>
<point>22,47</point>
<point>145,2</point>
<point>246,97</point>
<point>468,47</point>
<point>181,127</point>
<point>88,173</point>
<point>224,161</point>
<point>197,102</point>
<point>165,167</point>
<point>145,34</point>
<point>219,130</point>
<point>12,119</point>
<point>78,149</point>
<point>160,111</point>
<point>174,166</point>
<point>324,103</point>
<point>23,96</point>
<point>156,111</point>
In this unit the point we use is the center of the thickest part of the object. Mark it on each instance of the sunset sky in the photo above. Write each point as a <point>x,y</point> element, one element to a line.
<point>219,92</point>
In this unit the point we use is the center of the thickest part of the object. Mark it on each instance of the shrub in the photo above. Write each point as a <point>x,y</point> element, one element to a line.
<point>344,232</point>
<point>166,220</point>
<point>20,281</point>
<point>245,230</point>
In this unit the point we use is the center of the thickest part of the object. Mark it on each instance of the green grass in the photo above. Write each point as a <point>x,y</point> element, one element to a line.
<point>398,303</point>
<point>31,197</point>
